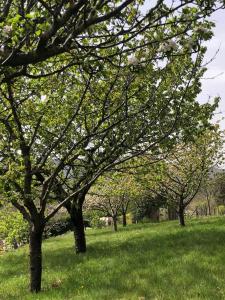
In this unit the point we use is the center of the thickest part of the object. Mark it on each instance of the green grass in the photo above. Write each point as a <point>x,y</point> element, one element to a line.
<point>146,261</point>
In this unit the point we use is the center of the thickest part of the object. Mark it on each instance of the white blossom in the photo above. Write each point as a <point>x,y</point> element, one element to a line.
<point>164,48</point>
<point>18,152</point>
<point>172,44</point>
<point>81,157</point>
<point>190,43</point>
<point>4,246</point>
<point>2,48</point>
<point>100,149</point>
<point>43,98</point>
<point>168,46</point>
<point>32,14</point>
<point>155,34</point>
<point>89,146</point>
<point>7,29</point>
<point>202,29</point>
<point>132,60</point>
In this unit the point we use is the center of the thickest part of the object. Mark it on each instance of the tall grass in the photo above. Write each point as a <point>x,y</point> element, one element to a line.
<point>146,261</point>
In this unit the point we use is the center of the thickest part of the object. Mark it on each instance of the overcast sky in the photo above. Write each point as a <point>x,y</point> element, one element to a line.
<point>216,69</point>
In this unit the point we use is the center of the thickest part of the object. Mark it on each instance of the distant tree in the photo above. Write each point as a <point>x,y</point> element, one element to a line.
<point>111,195</point>
<point>209,190</point>
<point>147,206</point>
<point>147,203</point>
<point>219,188</point>
<point>186,168</point>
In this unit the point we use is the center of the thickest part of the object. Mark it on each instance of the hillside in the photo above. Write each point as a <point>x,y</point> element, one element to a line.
<point>144,261</point>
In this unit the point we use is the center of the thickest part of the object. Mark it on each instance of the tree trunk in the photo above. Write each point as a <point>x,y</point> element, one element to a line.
<point>197,212</point>
<point>35,258</point>
<point>124,219</point>
<point>115,223</point>
<point>154,214</point>
<point>209,207</point>
<point>181,216</point>
<point>172,214</point>
<point>78,229</point>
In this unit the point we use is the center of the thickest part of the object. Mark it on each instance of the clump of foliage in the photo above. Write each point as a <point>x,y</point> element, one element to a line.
<point>94,218</point>
<point>55,228</point>
<point>13,228</point>
<point>221,209</point>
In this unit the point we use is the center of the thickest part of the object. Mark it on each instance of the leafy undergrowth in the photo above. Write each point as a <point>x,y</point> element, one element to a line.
<point>145,261</point>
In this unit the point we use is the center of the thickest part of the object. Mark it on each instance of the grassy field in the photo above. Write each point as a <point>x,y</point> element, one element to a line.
<point>146,261</point>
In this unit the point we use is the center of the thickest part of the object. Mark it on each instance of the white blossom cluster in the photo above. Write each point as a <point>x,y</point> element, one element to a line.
<point>2,49</point>
<point>133,61</point>
<point>202,29</point>
<point>91,146</point>
<point>81,157</point>
<point>101,149</point>
<point>43,98</point>
<point>169,45</point>
<point>32,14</point>
<point>190,42</point>
<point>7,30</point>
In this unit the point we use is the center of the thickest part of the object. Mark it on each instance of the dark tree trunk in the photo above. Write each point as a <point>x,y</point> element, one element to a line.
<point>15,244</point>
<point>209,207</point>
<point>154,214</point>
<point>172,214</point>
<point>115,223</point>
<point>35,258</point>
<point>124,219</point>
<point>78,228</point>
<point>197,212</point>
<point>181,216</point>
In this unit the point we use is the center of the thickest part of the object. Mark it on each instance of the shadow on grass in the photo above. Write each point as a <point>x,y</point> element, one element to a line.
<point>142,262</point>
<point>153,260</point>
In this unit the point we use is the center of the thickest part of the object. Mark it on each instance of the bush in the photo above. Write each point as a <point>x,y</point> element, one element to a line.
<point>58,227</point>
<point>14,230</point>
<point>221,209</point>
<point>94,219</point>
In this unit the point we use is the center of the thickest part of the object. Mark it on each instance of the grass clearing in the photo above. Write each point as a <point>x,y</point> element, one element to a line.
<point>144,261</point>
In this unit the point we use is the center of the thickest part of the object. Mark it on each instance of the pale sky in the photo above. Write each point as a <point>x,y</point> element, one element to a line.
<point>216,69</point>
